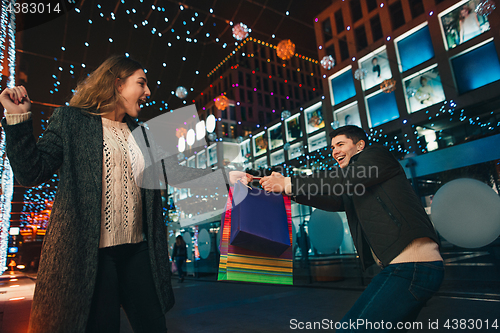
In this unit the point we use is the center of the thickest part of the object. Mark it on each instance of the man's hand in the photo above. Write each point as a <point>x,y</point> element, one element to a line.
<point>15,100</point>
<point>274,183</point>
<point>243,177</point>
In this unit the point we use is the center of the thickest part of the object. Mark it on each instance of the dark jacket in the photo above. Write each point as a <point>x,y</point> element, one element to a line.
<point>382,209</point>
<point>73,144</point>
<point>179,251</point>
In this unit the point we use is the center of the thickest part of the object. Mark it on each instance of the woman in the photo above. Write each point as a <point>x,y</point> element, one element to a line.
<point>469,24</point>
<point>106,243</point>
<point>179,253</point>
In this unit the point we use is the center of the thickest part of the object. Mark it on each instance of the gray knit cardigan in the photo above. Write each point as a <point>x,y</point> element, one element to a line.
<point>73,144</point>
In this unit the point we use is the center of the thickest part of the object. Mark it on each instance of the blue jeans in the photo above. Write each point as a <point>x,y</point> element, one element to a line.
<point>394,297</point>
<point>179,262</point>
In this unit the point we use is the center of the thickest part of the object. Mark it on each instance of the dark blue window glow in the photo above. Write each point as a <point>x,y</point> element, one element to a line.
<point>476,68</point>
<point>382,108</point>
<point>415,49</point>
<point>343,87</point>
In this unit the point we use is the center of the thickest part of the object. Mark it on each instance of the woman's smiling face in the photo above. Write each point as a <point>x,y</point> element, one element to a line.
<point>135,92</point>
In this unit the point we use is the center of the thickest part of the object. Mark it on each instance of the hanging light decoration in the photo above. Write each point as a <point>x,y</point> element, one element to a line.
<point>180,132</point>
<point>327,62</point>
<point>486,7</point>
<point>221,102</point>
<point>181,92</point>
<point>388,86</point>
<point>360,74</point>
<point>212,136</point>
<point>240,139</point>
<point>286,146</point>
<point>180,156</point>
<point>285,49</point>
<point>240,31</point>
<point>410,92</point>
<point>285,114</point>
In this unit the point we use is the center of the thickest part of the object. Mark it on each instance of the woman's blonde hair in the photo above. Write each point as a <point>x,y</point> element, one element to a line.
<point>99,90</point>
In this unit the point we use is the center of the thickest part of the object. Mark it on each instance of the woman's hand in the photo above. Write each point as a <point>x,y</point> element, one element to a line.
<point>15,100</point>
<point>243,177</point>
<point>274,183</point>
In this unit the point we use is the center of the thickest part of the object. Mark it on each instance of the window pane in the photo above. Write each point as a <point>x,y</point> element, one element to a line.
<point>327,30</point>
<point>376,26</point>
<point>371,4</point>
<point>267,101</point>
<point>470,71</point>
<point>250,96</point>
<point>249,80</point>
<point>415,49</point>
<point>360,35</point>
<point>343,87</point>
<point>344,50</point>
<point>243,112</point>
<point>424,90</point>
<point>397,15</point>
<point>416,7</point>
<point>339,21</point>
<point>463,24</point>
<point>330,50</point>
<point>232,112</point>
<point>382,108</point>
<point>356,12</point>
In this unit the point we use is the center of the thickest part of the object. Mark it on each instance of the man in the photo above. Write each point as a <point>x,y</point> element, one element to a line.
<point>387,222</point>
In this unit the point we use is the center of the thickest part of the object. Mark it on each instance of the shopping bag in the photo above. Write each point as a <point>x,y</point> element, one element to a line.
<point>239,264</point>
<point>174,267</point>
<point>259,221</point>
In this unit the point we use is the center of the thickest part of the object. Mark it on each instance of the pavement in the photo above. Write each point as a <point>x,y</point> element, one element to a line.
<point>205,305</point>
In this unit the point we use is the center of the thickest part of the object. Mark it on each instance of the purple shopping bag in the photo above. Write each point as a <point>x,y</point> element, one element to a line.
<point>259,221</point>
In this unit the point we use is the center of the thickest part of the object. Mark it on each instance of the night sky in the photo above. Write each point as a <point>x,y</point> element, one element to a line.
<point>65,38</point>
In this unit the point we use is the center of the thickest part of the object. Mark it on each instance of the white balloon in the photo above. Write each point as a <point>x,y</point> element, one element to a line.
<point>182,144</point>
<point>211,123</point>
<point>466,212</point>
<point>191,135</point>
<point>204,243</point>
<point>200,130</point>
<point>326,231</point>
<point>189,243</point>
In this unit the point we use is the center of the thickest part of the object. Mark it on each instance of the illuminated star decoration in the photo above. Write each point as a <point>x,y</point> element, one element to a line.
<point>360,74</point>
<point>181,92</point>
<point>486,7</point>
<point>285,114</point>
<point>221,102</point>
<point>411,91</point>
<point>388,86</point>
<point>328,62</point>
<point>285,49</point>
<point>240,31</point>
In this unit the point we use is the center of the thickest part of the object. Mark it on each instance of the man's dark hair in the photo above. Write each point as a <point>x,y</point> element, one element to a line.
<point>354,133</point>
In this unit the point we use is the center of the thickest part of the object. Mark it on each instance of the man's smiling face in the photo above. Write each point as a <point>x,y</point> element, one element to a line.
<point>344,148</point>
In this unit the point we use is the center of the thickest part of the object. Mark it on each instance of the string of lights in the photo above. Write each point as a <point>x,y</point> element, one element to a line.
<point>7,36</point>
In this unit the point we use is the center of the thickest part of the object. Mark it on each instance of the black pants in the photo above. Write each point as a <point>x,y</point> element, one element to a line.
<point>124,278</point>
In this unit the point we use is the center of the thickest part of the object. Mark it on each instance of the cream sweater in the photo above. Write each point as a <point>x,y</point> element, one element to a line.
<point>123,165</point>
